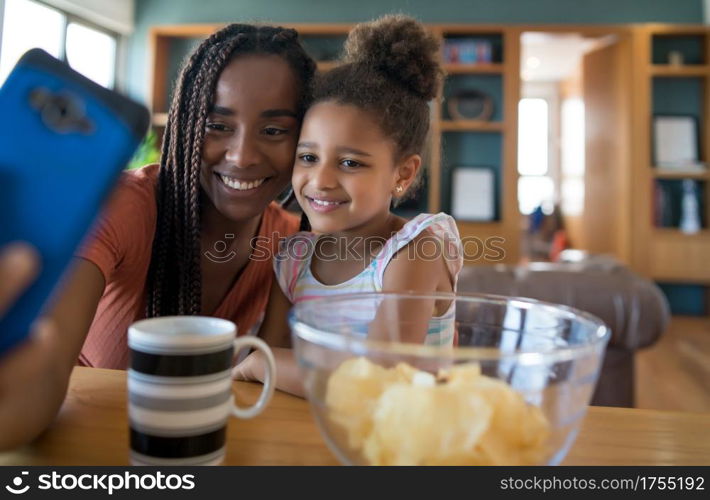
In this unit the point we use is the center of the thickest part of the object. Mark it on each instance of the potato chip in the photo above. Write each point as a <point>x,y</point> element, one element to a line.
<point>416,425</point>
<point>404,416</point>
<point>353,389</point>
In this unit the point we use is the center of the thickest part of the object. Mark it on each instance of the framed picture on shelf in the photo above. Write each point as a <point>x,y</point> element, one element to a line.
<point>473,194</point>
<point>675,142</point>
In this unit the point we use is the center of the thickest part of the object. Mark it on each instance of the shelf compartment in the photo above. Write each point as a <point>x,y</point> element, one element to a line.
<point>472,48</point>
<point>478,150</point>
<point>490,84</point>
<point>667,204</point>
<point>686,299</point>
<point>690,46</point>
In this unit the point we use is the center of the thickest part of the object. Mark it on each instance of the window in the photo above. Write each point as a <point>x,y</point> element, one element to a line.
<point>28,24</point>
<point>533,136</point>
<point>91,53</point>
<point>535,185</point>
<point>46,33</point>
<point>573,156</point>
<point>534,191</point>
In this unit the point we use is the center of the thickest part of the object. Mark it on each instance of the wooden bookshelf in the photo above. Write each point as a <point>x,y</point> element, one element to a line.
<point>666,254</point>
<point>500,78</point>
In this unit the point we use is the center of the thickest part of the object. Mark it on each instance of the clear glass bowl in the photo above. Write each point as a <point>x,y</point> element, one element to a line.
<point>538,363</point>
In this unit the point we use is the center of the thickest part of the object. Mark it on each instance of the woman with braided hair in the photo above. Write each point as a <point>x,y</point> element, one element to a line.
<point>228,152</point>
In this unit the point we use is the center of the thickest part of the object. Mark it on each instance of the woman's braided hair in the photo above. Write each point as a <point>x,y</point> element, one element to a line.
<point>174,283</point>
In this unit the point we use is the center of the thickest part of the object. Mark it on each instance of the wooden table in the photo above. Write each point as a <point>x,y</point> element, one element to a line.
<point>92,429</point>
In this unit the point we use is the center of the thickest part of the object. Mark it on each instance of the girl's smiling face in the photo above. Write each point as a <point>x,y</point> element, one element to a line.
<point>345,171</point>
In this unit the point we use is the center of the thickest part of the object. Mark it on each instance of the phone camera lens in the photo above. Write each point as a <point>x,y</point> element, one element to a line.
<point>61,112</point>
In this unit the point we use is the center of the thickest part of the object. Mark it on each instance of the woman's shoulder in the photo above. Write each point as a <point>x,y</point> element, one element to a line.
<point>137,187</point>
<point>133,196</point>
<point>126,226</point>
<point>141,177</point>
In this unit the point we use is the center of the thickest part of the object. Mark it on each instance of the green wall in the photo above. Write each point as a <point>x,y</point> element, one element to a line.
<point>150,12</point>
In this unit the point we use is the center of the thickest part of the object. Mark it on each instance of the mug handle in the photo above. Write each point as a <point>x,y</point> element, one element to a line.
<point>268,390</point>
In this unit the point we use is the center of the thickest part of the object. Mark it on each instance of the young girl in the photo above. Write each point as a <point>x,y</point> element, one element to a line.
<point>359,150</point>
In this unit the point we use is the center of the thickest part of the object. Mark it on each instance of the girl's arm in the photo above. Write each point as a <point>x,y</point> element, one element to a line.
<point>34,376</point>
<point>275,332</point>
<point>423,271</point>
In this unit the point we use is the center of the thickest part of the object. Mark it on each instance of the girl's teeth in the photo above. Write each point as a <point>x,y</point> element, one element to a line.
<point>239,185</point>
<point>325,203</point>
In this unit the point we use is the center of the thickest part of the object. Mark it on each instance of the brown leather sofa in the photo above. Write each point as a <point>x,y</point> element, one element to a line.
<point>633,307</point>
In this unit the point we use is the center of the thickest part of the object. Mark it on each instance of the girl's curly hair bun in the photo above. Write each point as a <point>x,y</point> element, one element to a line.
<point>399,48</point>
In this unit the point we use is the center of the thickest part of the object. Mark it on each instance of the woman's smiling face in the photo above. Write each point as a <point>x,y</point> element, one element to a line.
<point>344,173</point>
<point>250,136</point>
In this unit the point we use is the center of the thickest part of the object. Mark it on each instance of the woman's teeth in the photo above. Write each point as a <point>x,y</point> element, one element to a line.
<point>241,185</point>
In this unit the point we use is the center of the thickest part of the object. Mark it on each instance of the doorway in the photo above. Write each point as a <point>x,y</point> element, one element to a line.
<point>572,123</point>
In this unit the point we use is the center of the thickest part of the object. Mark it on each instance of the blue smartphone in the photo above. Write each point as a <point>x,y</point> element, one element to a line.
<point>63,142</point>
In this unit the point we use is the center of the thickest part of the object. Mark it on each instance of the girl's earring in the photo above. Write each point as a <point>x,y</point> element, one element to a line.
<point>399,189</point>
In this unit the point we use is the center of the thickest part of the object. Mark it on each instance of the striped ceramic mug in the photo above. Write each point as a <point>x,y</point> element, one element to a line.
<point>180,388</point>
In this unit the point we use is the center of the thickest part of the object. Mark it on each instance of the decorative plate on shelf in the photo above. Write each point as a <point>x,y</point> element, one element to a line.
<point>470,104</point>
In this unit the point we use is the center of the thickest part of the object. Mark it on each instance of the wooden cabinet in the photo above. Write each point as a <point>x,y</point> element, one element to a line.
<point>487,144</point>
<point>671,78</point>
<point>633,203</point>
<point>490,144</point>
